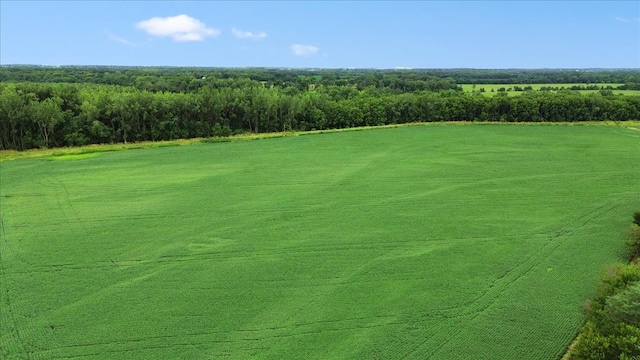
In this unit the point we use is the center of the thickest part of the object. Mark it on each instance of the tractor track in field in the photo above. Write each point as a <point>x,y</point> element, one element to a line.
<point>6,298</point>
<point>244,255</point>
<point>486,299</point>
<point>61,194</point>
<point>117,347</point>
<point>333,287</point>
<point>152,342</point>
<point>206,338</point>
<point>62,198</point>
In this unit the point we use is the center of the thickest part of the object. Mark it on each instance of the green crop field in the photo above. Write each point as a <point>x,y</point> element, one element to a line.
<point>489,87</point>
<point>422,242</point>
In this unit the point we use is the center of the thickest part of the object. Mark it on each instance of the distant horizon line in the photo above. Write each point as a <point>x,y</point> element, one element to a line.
<point>397,68</point>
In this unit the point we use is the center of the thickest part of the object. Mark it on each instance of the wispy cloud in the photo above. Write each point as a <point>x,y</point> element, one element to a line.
<point>115,38</point>
<point>248,34</point>
<point>304,50</point>
<point>179,28</point>
<point>622,19</point>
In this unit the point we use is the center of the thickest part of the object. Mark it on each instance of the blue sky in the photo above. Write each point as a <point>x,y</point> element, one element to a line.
<point>332,34</point>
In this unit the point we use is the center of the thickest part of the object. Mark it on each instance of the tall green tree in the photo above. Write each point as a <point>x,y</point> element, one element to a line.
<point>47,114</point>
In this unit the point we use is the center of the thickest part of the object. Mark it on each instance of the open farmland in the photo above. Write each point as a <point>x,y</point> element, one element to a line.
<point>492,89</point>
<point>442,242</point>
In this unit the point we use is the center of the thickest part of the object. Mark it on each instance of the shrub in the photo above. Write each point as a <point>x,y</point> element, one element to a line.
<point>624,307</point>
<point>634,240</point>
<point>616,339</point>
<point>634,236</point>
<point>590,344</point>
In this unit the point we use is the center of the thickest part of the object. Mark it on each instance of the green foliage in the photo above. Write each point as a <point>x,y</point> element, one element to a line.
<point>621,343</point>
<point>625,305</point>
<point>346,245</point>
<point>220,131</point>
<point>606,92</point>
<point>634,240</point>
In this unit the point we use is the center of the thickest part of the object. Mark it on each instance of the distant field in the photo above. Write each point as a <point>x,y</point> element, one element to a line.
<point>495,87</point>
<point>423,242</point>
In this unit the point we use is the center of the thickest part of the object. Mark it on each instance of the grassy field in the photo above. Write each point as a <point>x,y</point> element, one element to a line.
<point>535,87</point>
<point>439,242</point>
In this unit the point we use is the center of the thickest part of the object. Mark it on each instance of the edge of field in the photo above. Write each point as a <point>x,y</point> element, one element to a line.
<point>81,152</point>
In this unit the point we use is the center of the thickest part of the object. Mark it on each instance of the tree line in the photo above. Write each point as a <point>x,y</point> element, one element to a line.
<point>186,79</point>
<point>54,115</point>
<point>178,79</point>
<point>540,76</point>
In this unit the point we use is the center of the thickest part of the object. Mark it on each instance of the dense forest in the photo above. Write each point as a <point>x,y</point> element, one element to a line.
<point>70,106</point>
<point>176,79</point>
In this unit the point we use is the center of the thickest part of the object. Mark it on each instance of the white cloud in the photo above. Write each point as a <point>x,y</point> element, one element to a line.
<point>304,50</point>
<point>179,28</point>
<point>115,38</point>
<point>248,34</point>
